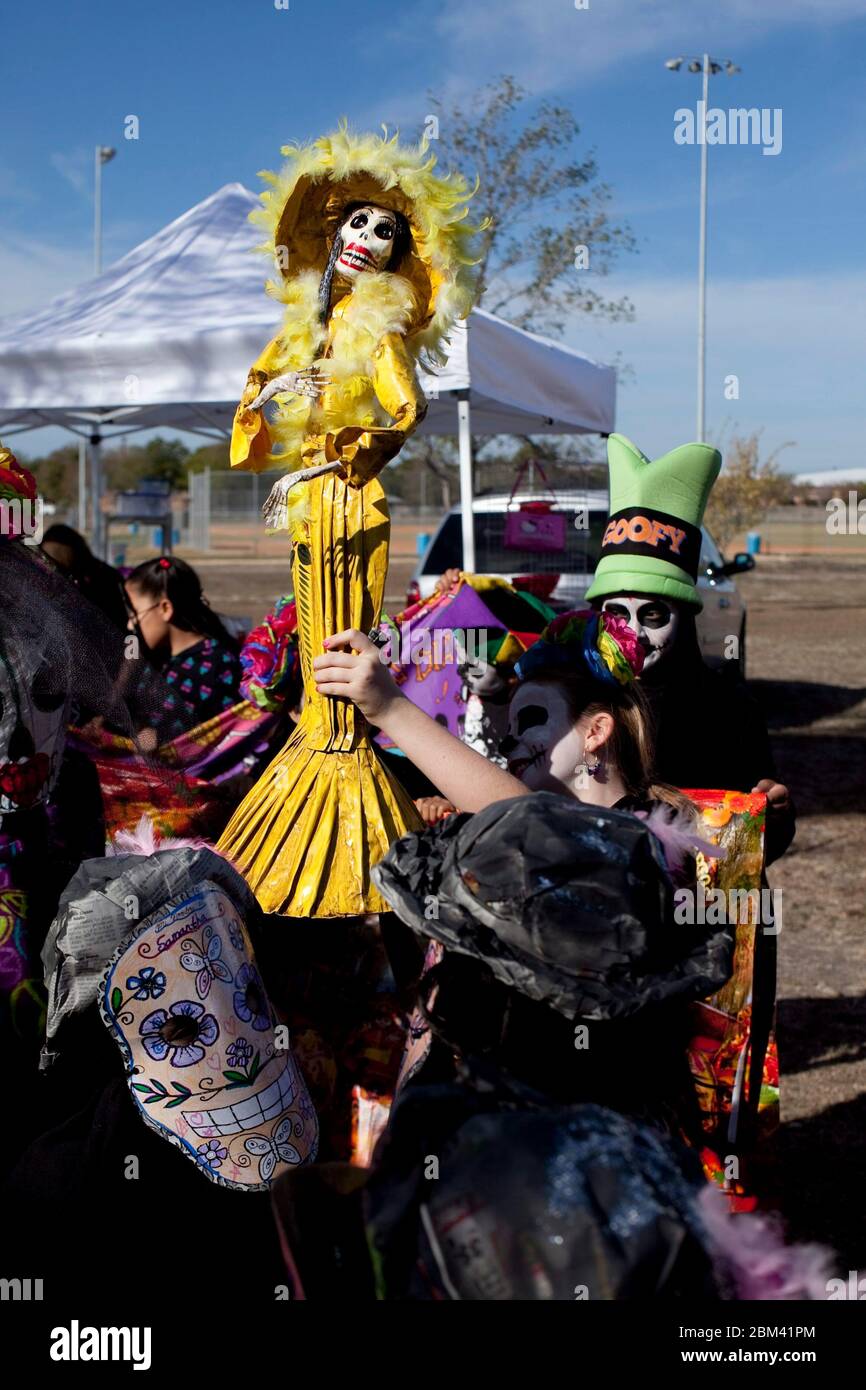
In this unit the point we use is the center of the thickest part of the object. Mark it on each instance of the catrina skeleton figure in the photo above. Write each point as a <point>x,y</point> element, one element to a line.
<point>376,265</point>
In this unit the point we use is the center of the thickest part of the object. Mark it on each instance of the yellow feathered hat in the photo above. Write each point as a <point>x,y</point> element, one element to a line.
<point>302,208</point>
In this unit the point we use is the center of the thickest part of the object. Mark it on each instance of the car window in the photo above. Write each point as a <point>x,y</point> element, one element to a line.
<point>581,554</point>
<point>709,551</point>
<point>446,550</point>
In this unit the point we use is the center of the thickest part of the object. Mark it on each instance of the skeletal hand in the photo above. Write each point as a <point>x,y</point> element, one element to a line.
<point>310,382</point>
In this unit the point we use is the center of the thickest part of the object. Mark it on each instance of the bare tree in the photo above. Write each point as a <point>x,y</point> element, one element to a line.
<point>544,201</point>
<point>437,454</point>
<point>746,488</point>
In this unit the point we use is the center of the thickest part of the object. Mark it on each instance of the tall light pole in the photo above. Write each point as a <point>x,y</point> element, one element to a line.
<point>101,155</point>
<point>704,65</point>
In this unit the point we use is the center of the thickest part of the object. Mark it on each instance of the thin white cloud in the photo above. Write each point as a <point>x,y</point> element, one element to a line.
<point>75,168</point>
<point>12,189</point>
<point>548,44</point>
<point>33,271</point>
<point>792,343</point>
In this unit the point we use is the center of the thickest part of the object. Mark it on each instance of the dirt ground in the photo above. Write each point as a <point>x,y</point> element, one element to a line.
<point>807,667</point>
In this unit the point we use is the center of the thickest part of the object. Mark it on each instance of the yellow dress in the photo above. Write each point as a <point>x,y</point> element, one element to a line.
<point>326,809</point>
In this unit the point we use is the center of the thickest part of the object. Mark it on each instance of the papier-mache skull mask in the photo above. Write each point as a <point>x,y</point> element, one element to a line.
<point>185,1002</point>
<point>654,621</point>
<point>34,711</point>
<point>482,678</point>
<point>367,241</point>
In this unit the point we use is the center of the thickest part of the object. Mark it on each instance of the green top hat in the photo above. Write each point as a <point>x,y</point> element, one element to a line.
<point>652,541</point>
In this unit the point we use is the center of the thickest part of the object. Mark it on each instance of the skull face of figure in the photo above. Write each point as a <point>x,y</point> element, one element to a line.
<point>367,237</point>
<point>481,678</point>
<point>544,746</point>
<point>654,621</point>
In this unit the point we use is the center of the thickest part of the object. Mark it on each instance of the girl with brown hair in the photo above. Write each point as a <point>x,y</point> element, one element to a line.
<point>579,723</point>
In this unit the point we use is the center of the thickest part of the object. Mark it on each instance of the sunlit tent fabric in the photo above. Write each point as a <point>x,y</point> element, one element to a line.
<point>164,338</point>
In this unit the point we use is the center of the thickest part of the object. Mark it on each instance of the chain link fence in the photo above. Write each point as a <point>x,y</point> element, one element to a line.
<point>225,513</point>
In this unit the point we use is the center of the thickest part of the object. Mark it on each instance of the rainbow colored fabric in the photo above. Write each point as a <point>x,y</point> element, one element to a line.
<point>270,659</point>
<point>603,642</point>
<point>179,787</point>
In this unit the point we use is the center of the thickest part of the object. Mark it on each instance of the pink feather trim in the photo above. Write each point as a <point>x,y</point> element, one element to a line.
<point>751,1248</point>
<point>678,836</point>
<point>144,839</point>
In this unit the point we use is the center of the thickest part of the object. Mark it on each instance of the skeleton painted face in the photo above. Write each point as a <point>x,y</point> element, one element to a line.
<point>544,746</point>
<point>368,241</point>
<point>654,621</point>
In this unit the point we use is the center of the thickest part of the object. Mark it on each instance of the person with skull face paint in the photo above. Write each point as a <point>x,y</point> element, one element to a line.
<point>578,733</point>
<point>376,259</point>
<point>577,723</point>
<point>709,731</point>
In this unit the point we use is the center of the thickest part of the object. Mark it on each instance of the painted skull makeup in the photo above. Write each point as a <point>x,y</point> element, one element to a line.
<point>544,747</point>
<point>367,237</point>
<point>654,621</point>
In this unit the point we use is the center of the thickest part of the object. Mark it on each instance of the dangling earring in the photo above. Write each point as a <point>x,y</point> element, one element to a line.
<point>586,769</point>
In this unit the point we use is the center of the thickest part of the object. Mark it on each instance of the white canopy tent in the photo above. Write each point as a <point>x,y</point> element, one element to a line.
<point>165,338</point>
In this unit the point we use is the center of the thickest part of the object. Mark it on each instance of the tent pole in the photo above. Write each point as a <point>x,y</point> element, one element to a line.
<point>96,488</point>
<point>82,486</point>
<point>464,437</point>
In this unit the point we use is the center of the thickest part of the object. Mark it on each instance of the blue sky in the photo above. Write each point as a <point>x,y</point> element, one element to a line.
<point>219,85</point>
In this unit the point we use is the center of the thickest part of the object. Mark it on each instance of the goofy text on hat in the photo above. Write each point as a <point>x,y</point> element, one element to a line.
<point>652,542</point>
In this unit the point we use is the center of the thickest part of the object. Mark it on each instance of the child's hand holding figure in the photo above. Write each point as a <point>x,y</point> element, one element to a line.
<point>351,668</point>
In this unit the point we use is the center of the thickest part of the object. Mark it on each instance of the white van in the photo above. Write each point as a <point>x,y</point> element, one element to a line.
<point>570,572</point>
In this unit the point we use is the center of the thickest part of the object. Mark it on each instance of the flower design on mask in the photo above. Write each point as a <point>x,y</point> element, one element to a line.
<point>250,1000</point>
<point>273,1150</point>
<point>213,1153</point>
<point>181,1034</point>
<point>147,984</point>
<point>239,1053</point>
